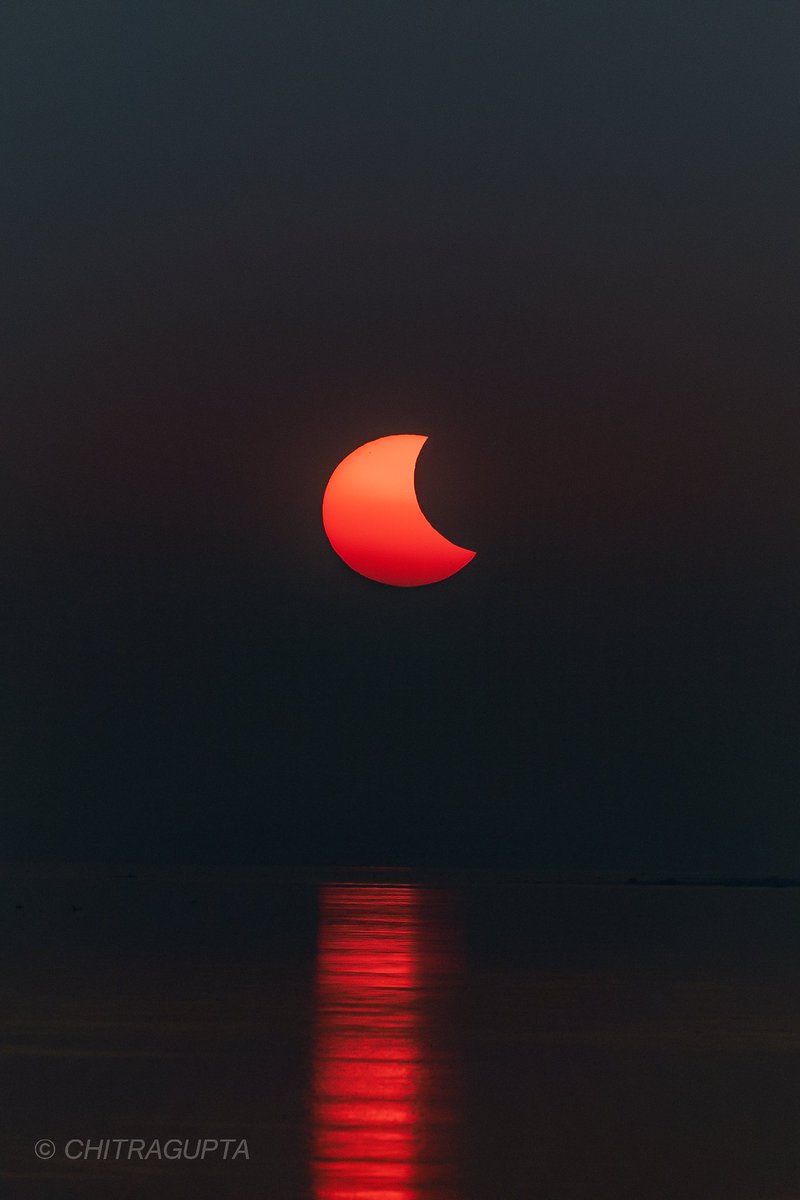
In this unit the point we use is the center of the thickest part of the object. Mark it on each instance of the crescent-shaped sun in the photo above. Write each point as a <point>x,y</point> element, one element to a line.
<point>374,522</point>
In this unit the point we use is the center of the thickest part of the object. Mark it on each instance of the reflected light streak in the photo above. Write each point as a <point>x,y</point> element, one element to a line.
<point>381,1101</point>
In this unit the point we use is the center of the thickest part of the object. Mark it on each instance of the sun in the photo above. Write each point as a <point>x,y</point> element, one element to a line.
<point>374,522</point>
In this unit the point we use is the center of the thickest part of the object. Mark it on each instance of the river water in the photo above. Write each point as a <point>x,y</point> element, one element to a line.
<point>382,1036</point>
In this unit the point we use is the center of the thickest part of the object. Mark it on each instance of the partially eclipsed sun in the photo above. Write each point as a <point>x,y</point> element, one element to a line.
<point>374,522</point>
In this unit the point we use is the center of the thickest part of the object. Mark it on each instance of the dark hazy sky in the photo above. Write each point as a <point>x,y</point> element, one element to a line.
<point>559,238</point>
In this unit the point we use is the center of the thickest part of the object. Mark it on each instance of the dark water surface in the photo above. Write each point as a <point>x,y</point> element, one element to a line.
<point>385,1037</point>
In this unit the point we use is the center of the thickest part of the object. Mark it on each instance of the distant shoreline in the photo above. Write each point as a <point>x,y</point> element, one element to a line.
<point>138,874</point>
<point>770,881</point>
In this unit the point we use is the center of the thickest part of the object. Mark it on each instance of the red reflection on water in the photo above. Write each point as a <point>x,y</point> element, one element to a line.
<point>381,1098</point>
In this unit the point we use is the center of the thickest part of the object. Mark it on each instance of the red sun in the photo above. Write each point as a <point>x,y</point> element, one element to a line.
<point>374,522</point>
